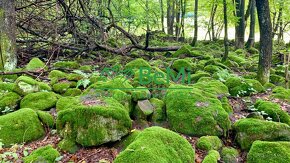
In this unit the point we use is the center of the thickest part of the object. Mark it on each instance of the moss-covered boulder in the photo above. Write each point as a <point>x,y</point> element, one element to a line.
<point>68,145</point>
<point>25,85</point>
<point>8,101</point>
<point>214,87</point>
<point>195,112</point>
<point>39,101</point>
<point>243,87</point>
<point>94,122</point>
<point>159,113</point>
<point>155,145</point>
<point>62,87</point>
<point>35,64</point>
<point>194,77</point>
<point>126,141</point>
<point>180,64</point>
<point>6,86</point>
<point>72,92</point>
<point>212,69</point>
<point>281,93</point>
<point>272,152</point>
<point>45,118</point>
<point>249,130</point>
<point>212,157</point>
<point>140,93</point>
<point>229,155</point>
<point>20,126</point>
<point>43,154</point>
<point>226,104</point>
<point>183,51</point>
<point>273,110</point>
<point>137,64</point>
<point>66,64</point>
<point>209,143</point>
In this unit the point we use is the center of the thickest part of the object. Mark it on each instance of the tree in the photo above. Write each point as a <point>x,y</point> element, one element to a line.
<point>240,28</point>
<point>266,42</point>
<point>8,59</point>
<point>195,23</point>
<point>226,44</point>
<point>251,39</point>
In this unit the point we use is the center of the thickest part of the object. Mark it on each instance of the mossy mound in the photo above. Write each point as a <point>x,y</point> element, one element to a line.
<point>56,75</point>
<point>182,64</point>
<point>98,121</point>
<point>66,64</point>
<point>214,87</point>
<point>238,59</point>
<point>281,93</point>
<point>209,143</point>
<point>194,77</point>
<point>25,85</point>
<point>5,86</point>
<point>183,51</point>
<point>126,141</point>
<point>46,118</point>
<point>229,155</point>
<point>226,105</point>
<point>8,101</point>
<point>243,87</point>
<point>212,157</point>
<point>212,69</point>
<point>249,130</point>
<point>20,126</point>
<point>68,103</point>
<point>159,113</point>
<point>272,152</point>
<point>39,101</point>
<point>43,154</point>
<point>273,110</point>
<point>35,64</point>
<point>67,145</point>
<point>72,92</point>
<point>140,93</point>
<point>195,112</point>
<point>137,64</point>
<point>157,145</point>
<point>62,87</point>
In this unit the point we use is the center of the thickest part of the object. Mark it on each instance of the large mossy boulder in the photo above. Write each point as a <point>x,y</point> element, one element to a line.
<point>243,87</point>
<point>157,145</point>
<point>35,64</point>
<point>20,126</point>
<point>195,112</point>
<point>8,101</point>
<point>94,122</point>
<point>270,152</point>
<point>25,85</point>
<point>214,87</point>
<point>249,130</point>
<point>183,64</point>
<point>45,154</point>
<point>39,101</point>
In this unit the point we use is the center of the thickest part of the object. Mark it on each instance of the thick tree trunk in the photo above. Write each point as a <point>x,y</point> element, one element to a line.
<point>170,16</point>
<point>266,42</point>
<point>251,40</point>
<point>8,59</point>
<point>240,28</point>
<point>195,23</point>
<point>226,44</point>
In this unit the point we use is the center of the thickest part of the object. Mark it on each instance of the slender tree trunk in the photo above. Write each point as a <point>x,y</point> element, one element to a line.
<point>162,15</point>
<point>183,2</point>
<point>195,23</point>
<point>240,28</point>
<point>177,24</point>
<point>8,59</point>
<point>170,16</point>
<point>226,44</point>
<point>287,58</point>
<point>251,40</point>
<point>266,42</point>
<point>279,19</point>
<point>212,23</point>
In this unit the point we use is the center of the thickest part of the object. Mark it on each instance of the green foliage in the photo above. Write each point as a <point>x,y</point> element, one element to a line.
<point>209,143</point>
<point>243,87</point>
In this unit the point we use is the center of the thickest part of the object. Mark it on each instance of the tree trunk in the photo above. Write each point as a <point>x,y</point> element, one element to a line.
<point>162,15</point>
<point>8,59</point>
<point>251,40</point>
<point>177,24</point>
<point>279,20</point>
<point>266,42</point>
<point>195,23</point>
<point>170,16</point>
<point>212,21</point>
<point>226,44</point>
<point>240,28</point>
<point>183,3</point>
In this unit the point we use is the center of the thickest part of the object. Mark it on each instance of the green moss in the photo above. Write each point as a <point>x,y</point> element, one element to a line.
<point>67,145</point>
<point>35,64</point>
<point>157,145</point>
<point>243,87</point>
<point>25,85</point>
<point>229,155</point>
<point>214,87</point>
<point>123,98</point>
<point>45,118</point>
<point>39,101</point>
<point>62,87</point>
<point>276,79</point>
<point>249,130</point>
<point>182,64</point>
<point>273,110</point>
<point>72,92</point>
<point>159,113</point>
<point>137,64</point>
<point>212,157</point>
<point>209,143</point>
<point>4,86</point>
<point>194,77</point>
<point>66,64</point>
<point>126,141</point>
<point>269,86</point>
<point>256,85</point>
<point>140,93</point>
<point>86,68</point>
<point>9,100</point>
<point>212,69</point>
<point>184,51</point>
<point>253,50</point>
<point>43,154</point>
<point>195,112</point>
<point>281,93</point>
<point>20,126</point>
<point>98,121</point>
<point>67,103</point>
<point>272,152</point>
<point>226,105</point>
<point>56,74</point>
<point>204,79</point>
<point>239,60</point>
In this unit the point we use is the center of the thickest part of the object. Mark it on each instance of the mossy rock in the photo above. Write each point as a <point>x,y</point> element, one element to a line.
<point>140,93</point>
<point>67,145</point>
<point>159,113</point>
<point>271,152</point>
<point>67,103</point>
<point>209,143</point>
<point>98,121</point>
<point>126,141</point>
<point>269,86</point>
<point>195,112</point>
<point>195,77</point>
<point>86,68</point>
<point>243,87</point>
<point>25,85</point>
<point>143,110</point>
<point>183,51</point>
<point>253,50</point>
<point>226,105</point>
<point>43,154</point>
<point>281,93</point>
<point>182,64</point>
<point>66,64</point>
<point>45,118</point>
<point>212,69</point>
<point>214,87</point>
<point>137,64</point>
<point>236,58</point>
<point>20,126</point>
<point>5,86</point>
<point>249,130</point>
<point>212,157</point>
<point>35,64</point>
<point>229,155</point>
<point>62,87</point>
<point>39,101</point>
<point>157,145</point>
<point>276,79</point>
<point>8,100</point>
<point>72,92</point>
<point>57,74</point>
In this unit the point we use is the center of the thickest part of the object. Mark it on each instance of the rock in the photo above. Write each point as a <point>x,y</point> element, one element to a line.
<point>126,141</point>
<point>281,93</point>
<point>72,92</point>
<point>226,105</point>
<point>195,112</point>
<point>39,101</point>
<point>209,143</point>
<point>66,64</point>
<point>45,118</point>
<point>184,51</point>
<point>249,130</point>
<point>25,85</point>
<point>212,69</point>
<point>212,157</point>
<point>229,155</point>
<point>159,113</point>
<point>94,122</point>
<point>263,151</point>
<point>243,87</point>
<point>8,101</point>
<point>43,154</point>
<point>62,87</point>
<point>185,64</point>
<point>214,87</point>
<point>143,109</point>
<point>137,64</point>
<point>67,145</point>
<point>20,126</point>
<point>155,145</point>
<point>35,64</point>
<point>67,103</point>
<point>195,77</point>
<point>140,93</point>
<point>5,86</point>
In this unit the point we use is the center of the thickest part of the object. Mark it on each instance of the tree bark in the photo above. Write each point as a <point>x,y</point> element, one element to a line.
<point>240,28</point>
<point>8,59</point>
<point>226,44</point>
<point>195,23</point>
<point>266,42</point>
<point>170,17</point>
<point>251,40</point>
<point>162,15</point>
